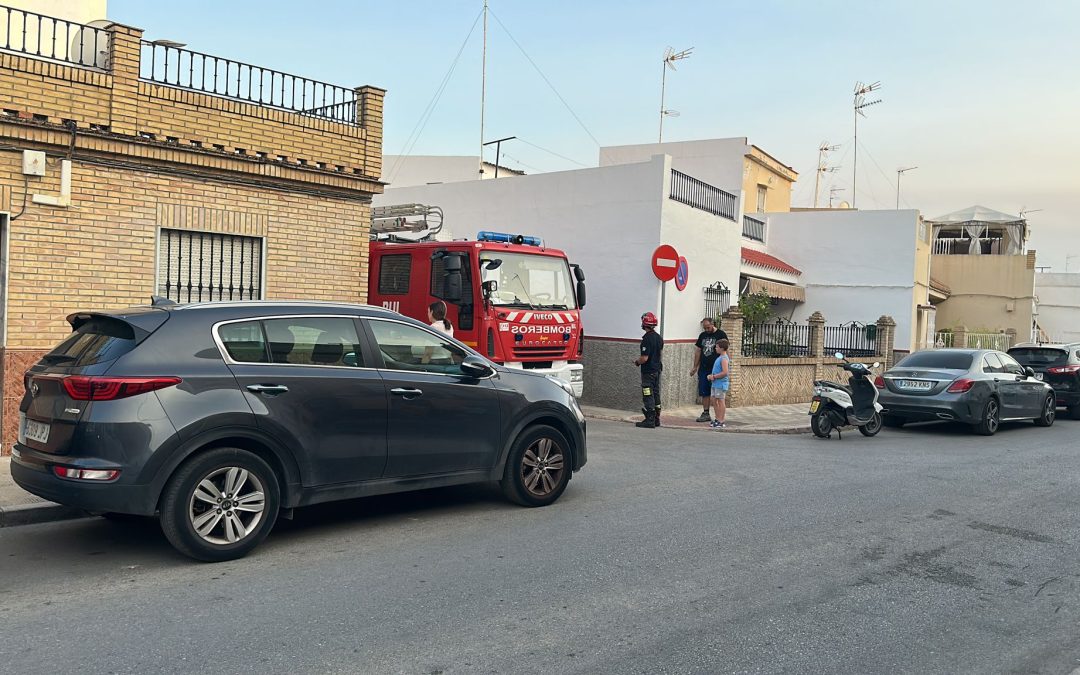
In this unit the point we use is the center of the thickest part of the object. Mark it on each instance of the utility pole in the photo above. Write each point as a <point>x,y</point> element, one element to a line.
<point>823,151</point>
<point>860,103</point>
<point>498,148</point>
<point>670,57</point>
<point>483,90</point>
<point>900,172</point>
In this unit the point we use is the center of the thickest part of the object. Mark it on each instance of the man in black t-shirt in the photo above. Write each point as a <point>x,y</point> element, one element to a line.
<point>651,363</point>
<point>704,358</point>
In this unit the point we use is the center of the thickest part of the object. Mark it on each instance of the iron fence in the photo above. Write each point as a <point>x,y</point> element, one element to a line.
<point>774,340</point>
<point>208,267</point>
<point>752,228</point>
<point>943,339</point>
<point>998,341</point>
<point>47,37</point>
<point>854,339</point>
<point>717,299</point>
<point>701,195</point>
<point>186,69</point>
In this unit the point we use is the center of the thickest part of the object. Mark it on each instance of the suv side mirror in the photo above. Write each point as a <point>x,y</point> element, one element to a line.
<point>475,366</point>
<point>1029,371</point>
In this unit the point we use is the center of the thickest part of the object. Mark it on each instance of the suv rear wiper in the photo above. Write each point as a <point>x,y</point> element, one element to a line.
<point>58,358</point>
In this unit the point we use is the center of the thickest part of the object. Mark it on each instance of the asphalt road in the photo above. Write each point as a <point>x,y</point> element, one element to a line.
<point>923,550</point>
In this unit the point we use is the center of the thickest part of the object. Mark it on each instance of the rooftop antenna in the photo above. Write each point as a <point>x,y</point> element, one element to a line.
<point>860,104</point>
<point>483,88</point>
<point>832,193</point>
<point>900,172</point>
<point>1024,209</point>
<point>1068,258</point>
<point>822,167</point>
<point>670,57</point>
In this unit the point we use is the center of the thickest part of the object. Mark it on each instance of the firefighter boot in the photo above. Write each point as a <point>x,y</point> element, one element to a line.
<point>656,419</point>
<point>649,422</point>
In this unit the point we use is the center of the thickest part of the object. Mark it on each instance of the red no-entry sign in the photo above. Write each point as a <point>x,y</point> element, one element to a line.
<point>665,262</point>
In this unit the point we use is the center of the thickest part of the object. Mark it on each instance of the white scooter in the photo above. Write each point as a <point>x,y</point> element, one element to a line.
<point>836,406</point>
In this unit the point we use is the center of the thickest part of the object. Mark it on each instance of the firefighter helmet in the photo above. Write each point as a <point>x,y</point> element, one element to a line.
<point>648,320</point>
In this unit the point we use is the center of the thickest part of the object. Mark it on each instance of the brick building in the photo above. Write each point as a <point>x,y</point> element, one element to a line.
<point>153,169</point>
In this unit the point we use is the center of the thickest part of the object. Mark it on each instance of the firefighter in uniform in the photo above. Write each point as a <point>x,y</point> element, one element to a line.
<point>651,364</point>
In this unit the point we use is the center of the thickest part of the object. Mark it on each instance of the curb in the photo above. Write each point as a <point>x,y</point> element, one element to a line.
<point>777,431</point>
<point>33,514</point>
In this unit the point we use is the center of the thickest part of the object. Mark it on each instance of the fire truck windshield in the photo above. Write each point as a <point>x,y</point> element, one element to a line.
<point>532,281</point>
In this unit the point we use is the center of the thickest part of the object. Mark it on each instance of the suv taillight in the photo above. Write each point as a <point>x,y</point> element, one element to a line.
<point>85,388</point>
<point>960,386</point>
<point>1061,370</point>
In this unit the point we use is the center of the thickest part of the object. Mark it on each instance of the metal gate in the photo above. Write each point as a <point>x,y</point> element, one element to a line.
<point>717,299</point>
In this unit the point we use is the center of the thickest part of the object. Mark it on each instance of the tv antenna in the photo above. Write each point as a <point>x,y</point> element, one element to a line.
<point>822,166</point>
<point>901,172</point>
<point>833,191</point>
<point>670,57</point>
<point>860,104</point>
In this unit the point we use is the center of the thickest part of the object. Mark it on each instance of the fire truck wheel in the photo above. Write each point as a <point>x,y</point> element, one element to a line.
<point>538,468</point>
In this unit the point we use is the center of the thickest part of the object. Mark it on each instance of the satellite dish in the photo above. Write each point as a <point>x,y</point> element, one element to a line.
<point>90,45</point>
<point>844,205</point>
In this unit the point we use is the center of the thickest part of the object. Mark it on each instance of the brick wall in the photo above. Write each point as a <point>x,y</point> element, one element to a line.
<point>135,169</point>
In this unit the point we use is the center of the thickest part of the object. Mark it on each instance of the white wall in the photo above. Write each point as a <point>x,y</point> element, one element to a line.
<point>718,162</point>
<point>857,265</point>
<point>711,246</point>
<point>1059,304</point>
<point>606,219</point>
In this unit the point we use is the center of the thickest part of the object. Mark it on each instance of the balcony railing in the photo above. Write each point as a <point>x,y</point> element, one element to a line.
<point>47,37</point>
<point>186,69</point>
<point>752,228</point>
<point>962,246</point>
<point>701,195</point>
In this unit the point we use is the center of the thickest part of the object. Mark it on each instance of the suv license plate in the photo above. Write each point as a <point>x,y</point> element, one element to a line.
<point>35,431</point>
<point>917,385</point>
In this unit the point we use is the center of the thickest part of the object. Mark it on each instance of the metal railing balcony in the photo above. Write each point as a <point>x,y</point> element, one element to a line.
<point>186,69</point>
<point>752,228</point>
<point>53,39</point>
<point>700,195</point>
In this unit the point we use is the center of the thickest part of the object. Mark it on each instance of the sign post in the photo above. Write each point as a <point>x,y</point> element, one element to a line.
<point>665,266</point>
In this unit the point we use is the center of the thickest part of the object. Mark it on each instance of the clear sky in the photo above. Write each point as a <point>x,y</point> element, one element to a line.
<point>983,96</point>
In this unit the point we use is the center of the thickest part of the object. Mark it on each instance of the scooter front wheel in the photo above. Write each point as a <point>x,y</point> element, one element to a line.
<point>821,424</point>
<point>872,427</point>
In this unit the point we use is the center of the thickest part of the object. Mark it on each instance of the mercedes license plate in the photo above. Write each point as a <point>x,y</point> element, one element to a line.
<point>35,431</point>
<point>916,385</point>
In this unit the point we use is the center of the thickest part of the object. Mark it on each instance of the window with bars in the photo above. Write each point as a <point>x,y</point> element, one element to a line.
<point>207,266</point>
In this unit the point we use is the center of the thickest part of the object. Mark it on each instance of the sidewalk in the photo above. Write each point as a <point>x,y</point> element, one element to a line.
<point>759,419</point>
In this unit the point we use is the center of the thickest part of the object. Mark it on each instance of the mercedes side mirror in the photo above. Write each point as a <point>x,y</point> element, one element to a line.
<point>475,366</point>
<point>1029,371</point>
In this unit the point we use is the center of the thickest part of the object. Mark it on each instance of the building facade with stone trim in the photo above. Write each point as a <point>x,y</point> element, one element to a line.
<point>115,186</point>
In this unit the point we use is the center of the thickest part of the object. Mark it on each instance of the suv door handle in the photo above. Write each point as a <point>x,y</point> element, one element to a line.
<point>407,393</point>
<point>271,389</point>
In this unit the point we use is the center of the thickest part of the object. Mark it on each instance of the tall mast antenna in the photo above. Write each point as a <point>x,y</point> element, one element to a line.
<point>483,89</point>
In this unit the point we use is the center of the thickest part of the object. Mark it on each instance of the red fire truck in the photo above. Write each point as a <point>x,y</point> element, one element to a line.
<point>509,296</point>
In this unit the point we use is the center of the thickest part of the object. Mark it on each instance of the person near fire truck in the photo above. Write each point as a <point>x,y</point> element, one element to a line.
<point>650,361</point>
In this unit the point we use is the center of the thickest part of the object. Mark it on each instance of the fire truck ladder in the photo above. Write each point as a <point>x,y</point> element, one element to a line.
<point>389,221</point>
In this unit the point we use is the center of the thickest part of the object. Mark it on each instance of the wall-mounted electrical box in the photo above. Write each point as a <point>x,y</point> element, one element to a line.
<point>33,163</point>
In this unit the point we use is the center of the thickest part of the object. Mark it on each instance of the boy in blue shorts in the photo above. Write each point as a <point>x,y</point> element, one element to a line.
<point>721,382</point>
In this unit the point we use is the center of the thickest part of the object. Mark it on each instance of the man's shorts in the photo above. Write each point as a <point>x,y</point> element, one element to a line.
<point>703,384</point>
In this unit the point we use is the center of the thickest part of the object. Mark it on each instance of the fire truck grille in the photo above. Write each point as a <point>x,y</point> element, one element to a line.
<point>540,352</point>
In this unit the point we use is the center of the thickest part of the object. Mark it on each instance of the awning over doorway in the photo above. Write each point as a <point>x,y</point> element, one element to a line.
<point>775,290</point>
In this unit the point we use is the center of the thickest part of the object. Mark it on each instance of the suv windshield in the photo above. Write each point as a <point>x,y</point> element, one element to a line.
<point>1039,356</point>
<point>933,359</point>
<point>533,281</point>
<point>95,340</point>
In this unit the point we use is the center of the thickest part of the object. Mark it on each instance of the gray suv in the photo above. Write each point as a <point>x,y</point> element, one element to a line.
<point>219,417</point>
